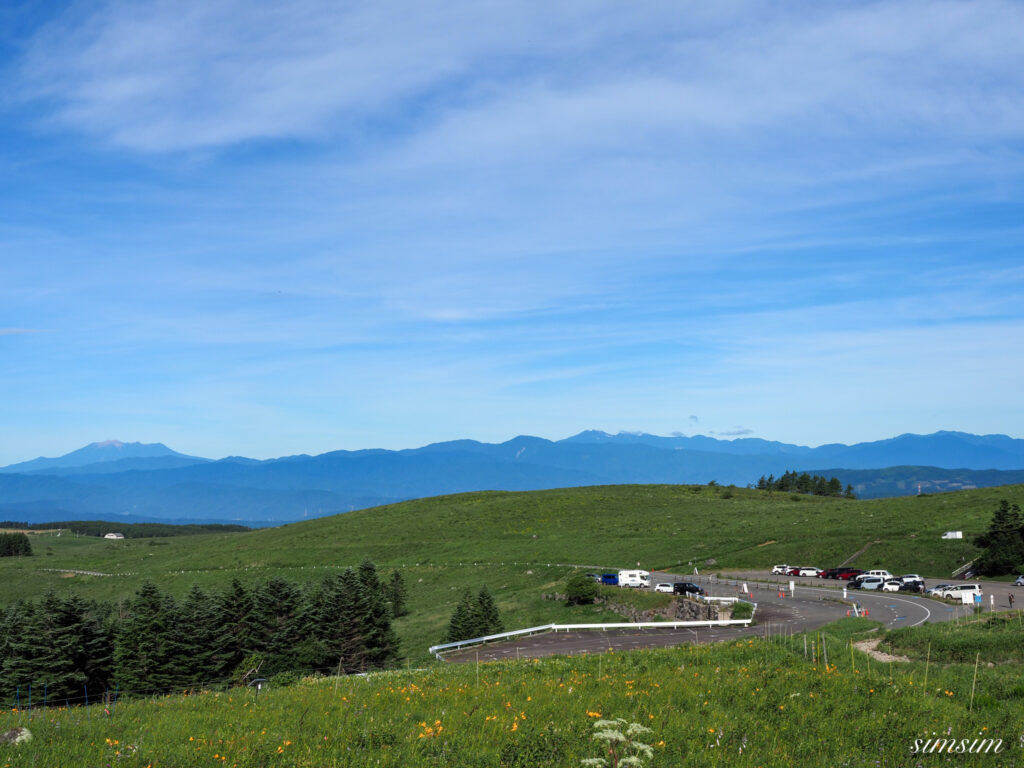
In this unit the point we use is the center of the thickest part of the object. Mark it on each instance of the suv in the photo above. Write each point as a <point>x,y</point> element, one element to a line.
<point>1019,582</point>
<point>846,574</point>
<point>663,587</point>
<point>781,570</point>
<point>687,588</point>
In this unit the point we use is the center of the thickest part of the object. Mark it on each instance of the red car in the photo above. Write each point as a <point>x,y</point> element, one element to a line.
<point>848,573</point>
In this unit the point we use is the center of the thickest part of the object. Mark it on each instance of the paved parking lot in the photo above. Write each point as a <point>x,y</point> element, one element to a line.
<point>815,602</point>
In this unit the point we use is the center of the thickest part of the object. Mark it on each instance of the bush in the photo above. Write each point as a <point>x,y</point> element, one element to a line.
<point>580,589</point>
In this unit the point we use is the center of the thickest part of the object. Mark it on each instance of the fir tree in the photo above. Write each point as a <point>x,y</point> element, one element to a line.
<point>380,644</point>
<point>397,595</point>
<point>487,613</point>
<point>1003,542</point>
<point>145,656</point>
<point>201,658</point>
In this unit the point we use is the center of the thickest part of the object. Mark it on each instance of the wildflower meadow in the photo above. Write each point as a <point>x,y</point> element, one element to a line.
<point>755,702</point>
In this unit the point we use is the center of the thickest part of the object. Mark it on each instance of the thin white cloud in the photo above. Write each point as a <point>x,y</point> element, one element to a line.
<point>165,76</point>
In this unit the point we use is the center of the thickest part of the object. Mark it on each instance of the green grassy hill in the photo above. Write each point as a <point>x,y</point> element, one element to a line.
<point>522,544</point>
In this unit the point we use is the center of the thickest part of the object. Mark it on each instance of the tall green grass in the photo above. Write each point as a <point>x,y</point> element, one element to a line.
<point>753,702</point>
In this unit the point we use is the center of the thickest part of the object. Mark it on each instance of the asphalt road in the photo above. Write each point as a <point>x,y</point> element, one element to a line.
<point>814,602</point>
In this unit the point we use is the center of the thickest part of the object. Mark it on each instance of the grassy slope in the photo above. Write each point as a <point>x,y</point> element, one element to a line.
<point>514,542</point>
<point>749,703</point>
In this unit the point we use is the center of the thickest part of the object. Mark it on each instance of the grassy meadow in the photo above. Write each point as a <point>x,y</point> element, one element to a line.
<point>521,545</point>
<point>754,702</point>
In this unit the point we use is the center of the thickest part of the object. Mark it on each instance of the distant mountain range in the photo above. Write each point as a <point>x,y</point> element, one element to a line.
<point>151,482</point>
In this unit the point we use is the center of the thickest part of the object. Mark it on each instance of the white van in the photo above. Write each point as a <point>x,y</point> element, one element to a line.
<point>880,574</point>
<point>635,579</point>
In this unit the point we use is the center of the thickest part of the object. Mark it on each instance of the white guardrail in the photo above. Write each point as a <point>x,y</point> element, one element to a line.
<point>436,649</point>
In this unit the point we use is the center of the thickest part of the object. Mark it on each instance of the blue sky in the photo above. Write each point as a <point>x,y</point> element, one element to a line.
<point>265,229</point>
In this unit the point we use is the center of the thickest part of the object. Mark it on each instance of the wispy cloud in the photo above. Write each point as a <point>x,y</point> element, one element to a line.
<point>18,331</point>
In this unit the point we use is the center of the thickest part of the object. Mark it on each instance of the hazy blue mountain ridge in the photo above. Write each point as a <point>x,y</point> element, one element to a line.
<point>101,480</point>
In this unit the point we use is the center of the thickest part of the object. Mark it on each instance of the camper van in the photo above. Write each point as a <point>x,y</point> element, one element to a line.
<point>635,579</point>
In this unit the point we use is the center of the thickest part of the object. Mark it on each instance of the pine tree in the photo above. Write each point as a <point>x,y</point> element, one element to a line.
<point>397,595</point>
<point>235,642</point>
<point>379,639</point>
<point>487,613</point>
<point>201,657</point>
<point>277,606</point>
<point>19,662</point>
<point>145,655</point>
<point>1003,542</point>
<point>463,623</point>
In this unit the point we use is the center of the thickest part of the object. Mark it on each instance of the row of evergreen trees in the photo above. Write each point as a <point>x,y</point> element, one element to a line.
<point>61,646</point>
<point>791,482</point>
<point>14,545</point>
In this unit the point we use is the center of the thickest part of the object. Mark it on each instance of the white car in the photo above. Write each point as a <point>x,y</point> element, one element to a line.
<point>892,585</point>
<point>911,577</point>
<point>1019,582</point>
<point>957,591</point>
<point>663,588</point>
<point>780,569</point>
<point>809,571</point>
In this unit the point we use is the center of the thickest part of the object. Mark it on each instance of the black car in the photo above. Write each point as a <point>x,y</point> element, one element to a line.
<point>687,588</point>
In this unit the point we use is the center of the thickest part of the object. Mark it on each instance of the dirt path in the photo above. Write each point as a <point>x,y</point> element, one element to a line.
<point>870,647</point>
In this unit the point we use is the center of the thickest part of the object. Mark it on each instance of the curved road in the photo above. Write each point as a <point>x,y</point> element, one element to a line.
<point>812,605</point>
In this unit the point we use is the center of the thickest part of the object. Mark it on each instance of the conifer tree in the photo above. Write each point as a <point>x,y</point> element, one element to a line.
<point>397,595</point>
<point>145,655</point>
<point>277,608</point>
<point>487,613</point>
<point>202,659</point>
<point>1003,542</point>
<point>235,642</point>
<point>464,621</point>
<point>380,644</point>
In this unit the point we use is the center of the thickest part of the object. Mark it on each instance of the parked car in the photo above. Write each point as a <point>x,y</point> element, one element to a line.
<point>595,576</point>
<point>808,570</point>
<point>937,589</point>
<point>848,573</point>
<point>892,585</point>
<point>687,588</point>
<point>912,586</point>
<point>868,582</point>
<point>611,579</point>
<point>880,573</point>
<point>957,591</point>
<point>781,570</point>
<point>911,577</point>
<point>1019,582</point>
<point>830,573</point>
<point>663,587</point>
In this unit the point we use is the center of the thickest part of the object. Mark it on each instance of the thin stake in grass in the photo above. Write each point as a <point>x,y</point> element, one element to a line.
<point>977,658</point>
<point>927,661</point>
